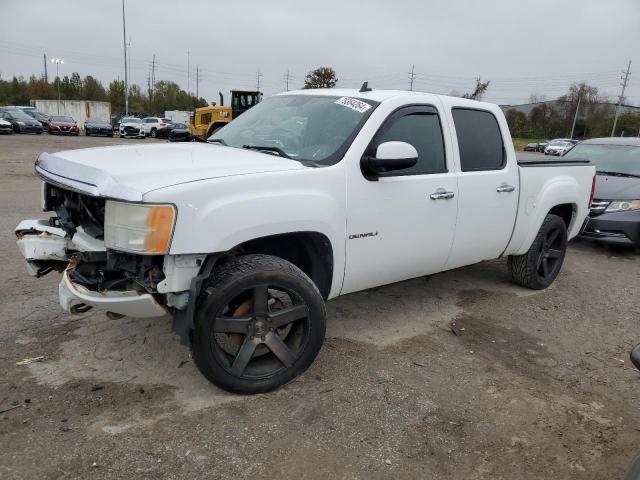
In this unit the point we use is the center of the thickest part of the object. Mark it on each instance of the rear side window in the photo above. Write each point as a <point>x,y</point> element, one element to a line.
<point>418,126</point>
<point>479,140</point>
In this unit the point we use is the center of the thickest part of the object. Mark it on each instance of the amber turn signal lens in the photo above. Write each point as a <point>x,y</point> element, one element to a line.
<point>160,221</point>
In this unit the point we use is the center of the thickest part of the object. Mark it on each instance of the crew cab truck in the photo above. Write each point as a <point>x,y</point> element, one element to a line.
<point>307,196</point>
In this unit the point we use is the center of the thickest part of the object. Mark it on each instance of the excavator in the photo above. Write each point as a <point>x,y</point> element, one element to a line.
<point>207,120</point>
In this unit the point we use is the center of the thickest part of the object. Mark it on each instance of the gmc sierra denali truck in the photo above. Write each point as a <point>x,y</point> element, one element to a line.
<point>307,196</point>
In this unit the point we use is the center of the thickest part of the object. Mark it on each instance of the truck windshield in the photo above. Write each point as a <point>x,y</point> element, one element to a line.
<point>312,128</point>
<point>622,159</point>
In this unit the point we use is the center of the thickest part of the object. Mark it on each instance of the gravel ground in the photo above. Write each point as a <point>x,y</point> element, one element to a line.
<point>532,385</point>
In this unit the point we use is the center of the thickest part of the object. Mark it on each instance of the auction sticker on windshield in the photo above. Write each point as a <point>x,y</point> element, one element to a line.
<point>352,103</point>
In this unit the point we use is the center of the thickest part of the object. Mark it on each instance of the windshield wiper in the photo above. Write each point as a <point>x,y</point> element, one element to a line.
<point>217,140</point>
<point>258,148</point>
<point>616,174</point>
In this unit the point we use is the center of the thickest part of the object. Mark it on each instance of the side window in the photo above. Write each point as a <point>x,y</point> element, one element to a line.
<point>479,140</point>
<point>206,118</point>
<point>420,127</point>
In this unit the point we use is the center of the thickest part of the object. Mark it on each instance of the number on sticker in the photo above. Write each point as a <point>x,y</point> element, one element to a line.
<point>354,104</point>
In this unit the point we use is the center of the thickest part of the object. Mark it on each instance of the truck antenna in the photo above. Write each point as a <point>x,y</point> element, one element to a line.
<point>365,87</point>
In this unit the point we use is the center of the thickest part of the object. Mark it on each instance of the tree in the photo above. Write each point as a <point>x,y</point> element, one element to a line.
<point>479,91</point>
<point>518,123</point>
<point>322,77</point>
<point>115,95</point>
<point>92,89</point>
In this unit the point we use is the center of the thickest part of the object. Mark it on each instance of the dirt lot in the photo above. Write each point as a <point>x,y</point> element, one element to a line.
<point>536,385</point>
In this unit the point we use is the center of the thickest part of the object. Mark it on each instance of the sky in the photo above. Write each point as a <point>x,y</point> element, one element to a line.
<point>523,47</point>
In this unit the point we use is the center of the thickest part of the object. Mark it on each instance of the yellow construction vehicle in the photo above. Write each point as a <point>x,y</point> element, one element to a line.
<point>207,120</point>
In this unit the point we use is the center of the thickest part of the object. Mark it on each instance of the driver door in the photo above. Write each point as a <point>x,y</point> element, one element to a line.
<point>399,225</point>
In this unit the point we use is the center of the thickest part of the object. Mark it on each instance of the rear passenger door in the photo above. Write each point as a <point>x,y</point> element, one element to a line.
<point>488,184</point>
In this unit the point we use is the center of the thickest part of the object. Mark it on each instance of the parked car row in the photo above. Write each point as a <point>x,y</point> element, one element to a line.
<point>555,147</point>
<point>155,127</point>
<point>20,122</point>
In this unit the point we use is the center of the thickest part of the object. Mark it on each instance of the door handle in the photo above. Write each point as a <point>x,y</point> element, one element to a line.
<point>441,194</point>
<point>505,188</point>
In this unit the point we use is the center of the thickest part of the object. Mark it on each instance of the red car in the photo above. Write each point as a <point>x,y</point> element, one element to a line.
<point>63,125</point>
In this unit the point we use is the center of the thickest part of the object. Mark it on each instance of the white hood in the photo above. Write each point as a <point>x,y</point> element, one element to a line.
<point>127,173</point>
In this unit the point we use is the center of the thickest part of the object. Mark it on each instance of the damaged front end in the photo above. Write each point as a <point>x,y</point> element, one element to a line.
<point>72,242</point>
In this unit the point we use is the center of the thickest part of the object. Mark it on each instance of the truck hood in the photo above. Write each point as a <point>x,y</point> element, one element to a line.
<point>128,172</point>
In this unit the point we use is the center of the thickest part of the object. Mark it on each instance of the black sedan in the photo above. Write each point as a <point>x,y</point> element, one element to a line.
<point>20,121</point>
<point>98,127</point>
<point>43,118</point>
<point>615,210</point>
<point>174,132</point>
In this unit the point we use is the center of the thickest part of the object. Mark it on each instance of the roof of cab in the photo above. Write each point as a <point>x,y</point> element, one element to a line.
<point>374,94</point>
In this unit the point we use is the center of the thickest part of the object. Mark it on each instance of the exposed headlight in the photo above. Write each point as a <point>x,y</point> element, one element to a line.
<point>20,123</point>
<point>139,228</point>
<point>623,206</point>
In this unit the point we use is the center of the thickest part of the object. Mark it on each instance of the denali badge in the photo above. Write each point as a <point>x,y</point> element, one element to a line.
<point>363,235</point>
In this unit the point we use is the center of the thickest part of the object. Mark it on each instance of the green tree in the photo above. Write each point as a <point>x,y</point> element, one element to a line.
<point>322,77</point>
<point>92,89</point>
<point>115,95</point>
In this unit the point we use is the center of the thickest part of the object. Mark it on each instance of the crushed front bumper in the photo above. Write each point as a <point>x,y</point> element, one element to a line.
<point>45,248</point>
<point>74,298</point>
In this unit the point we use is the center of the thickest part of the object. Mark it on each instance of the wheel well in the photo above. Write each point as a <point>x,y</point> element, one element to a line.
<point>311,252</point>
<point>564,211</point>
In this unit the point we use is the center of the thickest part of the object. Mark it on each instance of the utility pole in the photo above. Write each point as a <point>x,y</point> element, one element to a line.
<point>46,77</point>
<point>188,72</point>
<point>126,78</point>
<point>625,80</point>
<point>287,77</point>
<point>412,77</point>
<point>258,76</point>
<point>197,81</point>
<point>153,75</point>
<point>575,117</point>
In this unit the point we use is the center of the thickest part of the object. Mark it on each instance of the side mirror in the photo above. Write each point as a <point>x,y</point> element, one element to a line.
<point>390,156</point>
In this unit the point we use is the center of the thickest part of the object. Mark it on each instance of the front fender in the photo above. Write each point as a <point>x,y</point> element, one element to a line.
<point>218,214</point>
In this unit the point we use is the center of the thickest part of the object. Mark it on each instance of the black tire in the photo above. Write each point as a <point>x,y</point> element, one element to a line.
<point>39,133</point>
<point>264,348</point>
<point>539,267</point>
<point>153,133</point>
<point>110,135</point>
<point>87,134</point>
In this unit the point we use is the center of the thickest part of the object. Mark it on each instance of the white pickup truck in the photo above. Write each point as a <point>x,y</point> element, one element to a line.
<point>310,195</point>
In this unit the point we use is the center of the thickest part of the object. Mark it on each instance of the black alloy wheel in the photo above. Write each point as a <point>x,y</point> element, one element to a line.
<point>551,253</point>
<point>541,264</point>
<point>282,331</point>
<point>260,323</point>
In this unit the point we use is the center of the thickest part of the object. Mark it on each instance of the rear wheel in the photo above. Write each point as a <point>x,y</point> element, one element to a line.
<point>539,267</point>
<point>153,133</point>
<point>260,323</point>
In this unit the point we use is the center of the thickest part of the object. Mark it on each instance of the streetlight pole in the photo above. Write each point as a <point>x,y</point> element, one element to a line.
<point>58,62</point>
<point>126,79</point>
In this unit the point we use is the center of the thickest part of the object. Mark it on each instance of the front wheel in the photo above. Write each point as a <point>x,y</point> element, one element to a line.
<point>260,322</point>
<point>539,267</point>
